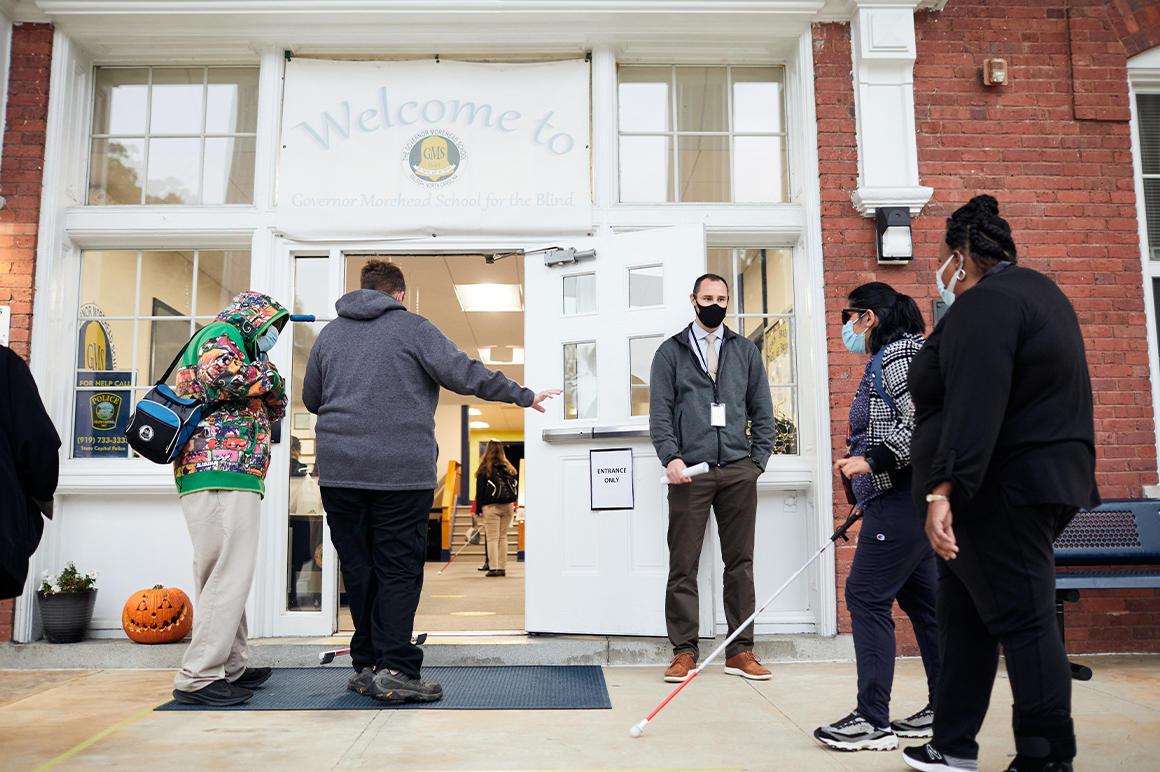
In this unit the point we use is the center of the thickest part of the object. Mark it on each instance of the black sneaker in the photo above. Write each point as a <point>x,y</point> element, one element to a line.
<point>253,677</point>
<point>219,694</point>
<point>484,567</point>
<point>854,733</point>
<point>395,687</point>
<point>496,572</point>
<point>361,681</point>
<point>921,724</point>
<point>927,759</point>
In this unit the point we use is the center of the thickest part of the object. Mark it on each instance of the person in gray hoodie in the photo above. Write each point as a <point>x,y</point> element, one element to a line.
<point>373,380</point>
<point>709,402</point>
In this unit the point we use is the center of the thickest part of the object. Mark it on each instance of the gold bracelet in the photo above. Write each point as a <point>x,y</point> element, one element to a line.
<point>933,497</point>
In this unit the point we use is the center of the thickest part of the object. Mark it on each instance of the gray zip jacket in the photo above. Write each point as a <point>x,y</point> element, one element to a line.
<point>373,381</point>
<point>680,393</point>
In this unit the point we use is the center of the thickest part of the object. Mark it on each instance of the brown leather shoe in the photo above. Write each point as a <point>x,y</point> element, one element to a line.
<point>747,666</point>
<point>680,667</point>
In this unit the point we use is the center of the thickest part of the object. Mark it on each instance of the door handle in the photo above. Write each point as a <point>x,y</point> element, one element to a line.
<point>589,433</point>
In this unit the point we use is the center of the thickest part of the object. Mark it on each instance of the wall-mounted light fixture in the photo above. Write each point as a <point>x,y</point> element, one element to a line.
<point>995,72</point>
<point>895,245</point>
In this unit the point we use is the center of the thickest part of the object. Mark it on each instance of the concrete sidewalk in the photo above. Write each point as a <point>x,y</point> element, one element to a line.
<point>104,719</point>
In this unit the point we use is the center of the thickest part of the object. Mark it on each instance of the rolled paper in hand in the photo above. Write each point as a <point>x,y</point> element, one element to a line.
<point>691,471</point>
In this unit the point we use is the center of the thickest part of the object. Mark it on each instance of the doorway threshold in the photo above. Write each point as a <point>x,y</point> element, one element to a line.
<point>473,649</point>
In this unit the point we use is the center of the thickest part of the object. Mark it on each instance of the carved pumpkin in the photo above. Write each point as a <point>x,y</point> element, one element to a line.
<point>157,615</point>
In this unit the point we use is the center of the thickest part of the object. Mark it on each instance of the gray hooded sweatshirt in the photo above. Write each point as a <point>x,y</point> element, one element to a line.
<point>373,381</point>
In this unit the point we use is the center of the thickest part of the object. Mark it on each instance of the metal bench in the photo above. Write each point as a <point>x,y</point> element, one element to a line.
<point>1123,532</point>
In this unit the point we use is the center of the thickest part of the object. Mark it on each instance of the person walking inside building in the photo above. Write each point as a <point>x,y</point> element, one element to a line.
<point>893,560</point>
<point>1004,455</point>
<point>373,380</point>
<point>28,470</point>
<point>220,476</point>
<point>496,493</point>
<point>709,402</point>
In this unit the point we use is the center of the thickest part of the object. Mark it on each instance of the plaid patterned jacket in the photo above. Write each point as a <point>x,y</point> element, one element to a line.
<point>888,435</point>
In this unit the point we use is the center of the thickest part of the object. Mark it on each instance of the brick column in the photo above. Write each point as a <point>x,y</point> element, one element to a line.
<point>21,168</point>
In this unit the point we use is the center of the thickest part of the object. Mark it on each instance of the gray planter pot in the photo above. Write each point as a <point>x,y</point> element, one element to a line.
<point>66,615</point>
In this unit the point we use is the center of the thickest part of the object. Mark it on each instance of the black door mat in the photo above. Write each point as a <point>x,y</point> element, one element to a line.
<point>524,687</point>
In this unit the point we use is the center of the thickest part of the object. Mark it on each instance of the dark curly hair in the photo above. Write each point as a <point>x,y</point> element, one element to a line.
<point>383,276</point>
<point>976,229</point>
<point>898,314</point>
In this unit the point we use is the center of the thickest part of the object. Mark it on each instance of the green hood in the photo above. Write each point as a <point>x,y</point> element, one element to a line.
<point>248,315</point>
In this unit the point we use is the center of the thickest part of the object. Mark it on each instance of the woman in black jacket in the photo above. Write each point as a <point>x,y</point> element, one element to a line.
<point>1004,455</point>
<point>893,559</point>
<point>495,498</point>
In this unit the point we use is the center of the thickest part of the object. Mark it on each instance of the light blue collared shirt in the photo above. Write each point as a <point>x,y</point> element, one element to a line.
<point>699,338</point>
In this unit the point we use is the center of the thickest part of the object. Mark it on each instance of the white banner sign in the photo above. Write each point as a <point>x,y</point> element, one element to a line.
<point>611,472</point>
<point>399,149</point>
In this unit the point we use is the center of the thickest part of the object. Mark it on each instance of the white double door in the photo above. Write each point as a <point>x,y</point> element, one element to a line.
<point>592,327</point>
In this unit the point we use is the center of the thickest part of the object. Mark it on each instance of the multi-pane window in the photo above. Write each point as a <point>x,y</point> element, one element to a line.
<point>173,135</point>
<point>1148,116</point>
<point>761,307</point>
<point>702,134</point>
<point>137,310</point>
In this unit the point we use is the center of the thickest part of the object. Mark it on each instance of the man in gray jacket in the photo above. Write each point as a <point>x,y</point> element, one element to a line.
<point>373,381</point>
<point>709,402</point>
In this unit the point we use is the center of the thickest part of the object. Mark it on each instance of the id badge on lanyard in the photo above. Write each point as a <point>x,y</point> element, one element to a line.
<point>717,414</point>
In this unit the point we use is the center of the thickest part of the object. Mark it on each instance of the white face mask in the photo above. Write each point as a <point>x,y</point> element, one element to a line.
<point>947,293</point>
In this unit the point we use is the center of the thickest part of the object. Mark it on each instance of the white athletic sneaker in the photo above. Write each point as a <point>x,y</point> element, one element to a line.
<point>854,733</point>
<point>921,724</point>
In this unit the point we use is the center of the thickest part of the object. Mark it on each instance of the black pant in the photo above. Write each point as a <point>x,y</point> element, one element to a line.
<point>381,539</point>
<point>1000,590</point>
<point>893,560</point>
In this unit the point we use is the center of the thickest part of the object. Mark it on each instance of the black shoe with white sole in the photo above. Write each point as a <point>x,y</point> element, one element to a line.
<point>921,724</point>
<point>854,733</point>
<point>927,759</point>
<point>394,686</point>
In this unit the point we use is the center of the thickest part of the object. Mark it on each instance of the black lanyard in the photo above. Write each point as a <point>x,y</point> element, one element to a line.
<point>701,360</point>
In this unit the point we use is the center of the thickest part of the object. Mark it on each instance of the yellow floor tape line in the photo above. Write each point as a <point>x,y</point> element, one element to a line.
<point>94,739</point>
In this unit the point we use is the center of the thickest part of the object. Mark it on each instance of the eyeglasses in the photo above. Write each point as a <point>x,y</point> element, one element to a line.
<point>857,313</point>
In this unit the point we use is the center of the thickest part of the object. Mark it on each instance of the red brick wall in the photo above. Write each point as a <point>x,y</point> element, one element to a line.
<point>21,168</point>
<point>1059,160</point>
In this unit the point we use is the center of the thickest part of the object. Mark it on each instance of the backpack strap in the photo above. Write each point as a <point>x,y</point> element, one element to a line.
<point>877,378</point>
<point>176,359</point>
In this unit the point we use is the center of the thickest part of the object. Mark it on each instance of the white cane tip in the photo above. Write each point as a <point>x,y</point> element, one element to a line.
<point>636,731</point>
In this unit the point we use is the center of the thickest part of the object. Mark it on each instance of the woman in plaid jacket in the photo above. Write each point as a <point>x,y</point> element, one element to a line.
<point>893,560</point>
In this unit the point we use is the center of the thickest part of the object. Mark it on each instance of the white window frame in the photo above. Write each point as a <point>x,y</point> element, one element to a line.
<point>1144,78</point>
<point>201,136</point>
<point>68,226</point>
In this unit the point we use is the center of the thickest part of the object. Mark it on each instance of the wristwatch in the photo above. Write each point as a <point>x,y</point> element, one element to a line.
<point>933,497</point>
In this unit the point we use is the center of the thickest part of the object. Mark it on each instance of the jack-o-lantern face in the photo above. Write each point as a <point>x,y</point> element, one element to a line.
<point>158,615</point>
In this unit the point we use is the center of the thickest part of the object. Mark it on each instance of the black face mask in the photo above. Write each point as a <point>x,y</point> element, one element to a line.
<point>711,315</point>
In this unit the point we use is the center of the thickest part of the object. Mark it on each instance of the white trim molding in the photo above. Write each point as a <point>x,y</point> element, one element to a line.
<point>883,48</point>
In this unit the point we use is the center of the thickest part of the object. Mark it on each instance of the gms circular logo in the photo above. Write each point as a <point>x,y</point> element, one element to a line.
<point>434,157</point>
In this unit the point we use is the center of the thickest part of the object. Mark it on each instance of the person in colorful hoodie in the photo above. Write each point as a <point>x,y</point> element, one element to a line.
<point>220,477</point>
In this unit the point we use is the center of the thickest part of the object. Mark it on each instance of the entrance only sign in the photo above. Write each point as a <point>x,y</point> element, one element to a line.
<point>611,475</point>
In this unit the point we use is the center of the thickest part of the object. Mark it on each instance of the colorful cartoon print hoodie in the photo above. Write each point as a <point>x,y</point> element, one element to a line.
<point>231,448</point>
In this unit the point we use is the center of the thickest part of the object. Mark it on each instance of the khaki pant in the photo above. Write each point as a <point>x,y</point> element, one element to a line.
<point>497,519</point>
<point>223,526</point>
<point>731,492</point>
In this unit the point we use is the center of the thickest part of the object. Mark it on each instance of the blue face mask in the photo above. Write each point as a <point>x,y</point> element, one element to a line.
<point>855,343</point>
<point>267,339</point>
<point>948,293</point>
